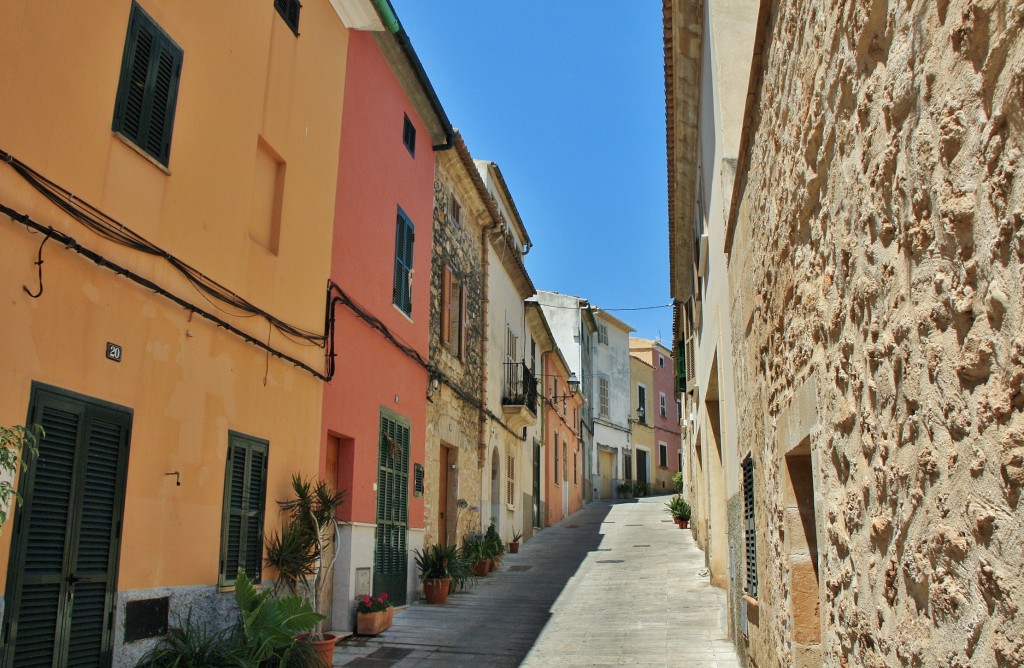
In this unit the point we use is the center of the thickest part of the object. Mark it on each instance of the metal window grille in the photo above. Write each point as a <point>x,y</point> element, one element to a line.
<point>750,533</point>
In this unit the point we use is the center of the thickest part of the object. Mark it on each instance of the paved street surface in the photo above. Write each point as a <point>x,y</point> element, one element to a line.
<point>614,584</point>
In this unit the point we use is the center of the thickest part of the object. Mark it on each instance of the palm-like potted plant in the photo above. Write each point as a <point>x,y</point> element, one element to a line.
<point>303,551</point>
<point>680,511</point>
<point>474,554</point>
<point>435,563</point>
<point>513,547</point>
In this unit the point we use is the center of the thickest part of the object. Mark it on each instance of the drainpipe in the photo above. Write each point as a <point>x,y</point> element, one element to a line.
<point>394,26</point>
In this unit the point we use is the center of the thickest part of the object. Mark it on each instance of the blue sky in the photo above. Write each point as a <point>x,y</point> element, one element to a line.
<point>568,98</point>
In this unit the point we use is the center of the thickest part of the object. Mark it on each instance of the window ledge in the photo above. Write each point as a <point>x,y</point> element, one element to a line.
<point>400,311</point>
<point>750,601</point>
<point>135,147</point>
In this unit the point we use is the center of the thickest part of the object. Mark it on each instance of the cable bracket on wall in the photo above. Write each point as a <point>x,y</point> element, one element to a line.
<point>39,264</point>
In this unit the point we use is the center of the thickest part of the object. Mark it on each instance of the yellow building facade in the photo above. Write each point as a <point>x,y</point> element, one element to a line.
<point>167,196</point>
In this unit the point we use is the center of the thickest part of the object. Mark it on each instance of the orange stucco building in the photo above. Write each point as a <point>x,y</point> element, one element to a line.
<point>174,174</point>
<point>374,410</point>
<point>563,462</point>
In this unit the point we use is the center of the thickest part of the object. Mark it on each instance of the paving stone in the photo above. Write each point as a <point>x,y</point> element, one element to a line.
<point>559,602</point>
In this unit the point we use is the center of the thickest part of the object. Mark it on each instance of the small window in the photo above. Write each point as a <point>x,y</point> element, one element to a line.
<point>663,455</point>
<point>405,236</point>
<point>510,481</point>
<point>245,492</point>
<point>641,404</point>
<point>453,313</point>
<point>148,89</point>
<point>602,391</point>
<point>662,405</point>
<point>409,136</point>
<point>749,528</point>
<point>661,361</point>
<point>602,333</point>
<point>289,11</point>
<point>454,208</point>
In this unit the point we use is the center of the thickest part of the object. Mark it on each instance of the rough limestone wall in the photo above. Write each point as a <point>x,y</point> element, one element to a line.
<point>450,419</point>
<point>880,245</point>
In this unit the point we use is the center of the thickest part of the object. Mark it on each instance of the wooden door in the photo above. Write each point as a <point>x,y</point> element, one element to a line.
<point>442,496</point>
<point>61,582</point>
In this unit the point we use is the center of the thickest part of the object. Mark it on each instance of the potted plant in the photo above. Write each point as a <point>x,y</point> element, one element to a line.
<point>494,546</point>
<point>374,615</point>
<point>513,547</point>
<point>639,489</point>
<point>680,511</point>
<point>272,625</point>
<point>434,564</point>
<point>16,443</point>
<point>303,551</point>
<point>625,489</point>
<point>677,482</point>
<point>473,553</point>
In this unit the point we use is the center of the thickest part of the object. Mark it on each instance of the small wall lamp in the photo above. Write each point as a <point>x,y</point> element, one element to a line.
<point>574,387</point>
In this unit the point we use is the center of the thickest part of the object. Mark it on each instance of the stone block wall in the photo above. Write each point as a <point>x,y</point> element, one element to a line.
<point>876,271</point>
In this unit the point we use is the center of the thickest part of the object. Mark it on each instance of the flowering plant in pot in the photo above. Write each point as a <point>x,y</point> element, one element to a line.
<point>374,614</point>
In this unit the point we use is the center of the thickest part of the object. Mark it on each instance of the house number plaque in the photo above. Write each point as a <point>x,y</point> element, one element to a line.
<point>113,351</point>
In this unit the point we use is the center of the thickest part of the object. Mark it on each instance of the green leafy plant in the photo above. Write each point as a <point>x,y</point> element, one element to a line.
<point>625,488</point>
<point>192,645</point>
<point>16,443</point>
<point>473,548</point>
<point>677,482</point>
<point>300,550</point>
<point>270,626</point>
<point>678,508</point>
<point>517,536</point>
<point>436,561</point>
<point>377,603</point>
<point>639,489</point>
<point>494,546</point>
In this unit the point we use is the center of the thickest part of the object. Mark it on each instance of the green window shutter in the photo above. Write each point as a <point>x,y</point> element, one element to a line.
<point>289,11</point>
<point>405,237</point>
<point>681,367</point>
<point>245,492</point>
<point>148,89</point>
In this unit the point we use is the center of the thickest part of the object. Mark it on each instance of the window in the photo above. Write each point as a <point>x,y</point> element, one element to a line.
<point>663,455</point>
<point>453,313</point>
<point>750,532</point>
<point>510,481</point>
<point>148,89</point>
<point>662,406</point>
<point>602,393</point>
<point>602,333</point>
<point>245,492</point>
<point>405,236</point>
<point>575,467</point>
<point>556,458</point>
<point>661,362</point>
<point>454,208</point>
<point>679,410</point>
<point>289,11</point>
<point>511,344</point>
<point>641,403</point>
<point>409,136</point>
<point>565,461</point>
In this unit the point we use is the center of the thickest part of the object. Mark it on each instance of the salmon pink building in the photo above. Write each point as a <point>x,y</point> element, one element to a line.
<point>564,460</point>
<point>374,410</point>
<point>663,411</point>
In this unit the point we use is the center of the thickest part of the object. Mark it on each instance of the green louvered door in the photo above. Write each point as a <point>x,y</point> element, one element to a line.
<point>390,570</point>
<point>62,577</point>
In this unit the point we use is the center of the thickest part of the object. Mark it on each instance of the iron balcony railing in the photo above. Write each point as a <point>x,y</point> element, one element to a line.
<point>520,386</point>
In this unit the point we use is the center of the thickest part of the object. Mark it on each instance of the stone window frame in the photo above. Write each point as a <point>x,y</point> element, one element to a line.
<point>453,312</point>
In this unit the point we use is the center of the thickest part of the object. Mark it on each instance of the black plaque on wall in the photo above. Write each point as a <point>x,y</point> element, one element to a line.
<point>146,618</point>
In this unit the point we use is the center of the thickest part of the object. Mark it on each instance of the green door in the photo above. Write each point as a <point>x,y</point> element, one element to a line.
<point>390,571</point>
<point>62,577</point>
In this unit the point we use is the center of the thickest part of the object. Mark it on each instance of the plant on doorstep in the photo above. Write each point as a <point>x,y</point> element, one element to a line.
<point>374,615</point>
<point>436,564</point>
<point>303,551</point>
<point>16,443</point>
<point>625,489</point>
<point>494,546</point>
<point>474,554</point>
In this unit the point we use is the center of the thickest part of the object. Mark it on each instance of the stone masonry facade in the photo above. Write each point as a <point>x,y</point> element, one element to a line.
<point>453,421</point>
<point>876,259</point>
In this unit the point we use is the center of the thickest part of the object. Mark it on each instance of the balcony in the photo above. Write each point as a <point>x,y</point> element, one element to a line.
<point>519,396</point>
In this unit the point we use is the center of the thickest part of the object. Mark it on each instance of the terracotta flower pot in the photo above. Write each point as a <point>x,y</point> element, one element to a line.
<point>324,648</point>
<point>482,568</point>
<point>436,590</point>
<point>513,548</point>
<point>684,524</point>
<point>372,623</point>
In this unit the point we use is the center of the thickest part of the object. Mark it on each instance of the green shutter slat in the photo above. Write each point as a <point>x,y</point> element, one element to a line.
<point>138,70</point>
<point>244,503</point>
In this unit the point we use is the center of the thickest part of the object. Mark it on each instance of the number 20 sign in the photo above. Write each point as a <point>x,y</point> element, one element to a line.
<point>113,352</point>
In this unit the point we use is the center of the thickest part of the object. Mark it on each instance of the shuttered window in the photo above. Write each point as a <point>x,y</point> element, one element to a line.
<point>663,455</point>
<point>245,492</point>
<point>453,313</point>
<point>602,391</point>
<point>391,548</point>
<point>510,480</point>
<point>405,236</point>
<point>409,136</point>
<point>750,532</point>
<point>289,11</point>
<point>148,88</point>
<point>557,477</point>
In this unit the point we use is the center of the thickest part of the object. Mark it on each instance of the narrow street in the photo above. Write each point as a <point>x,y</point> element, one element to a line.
<point>614,584</point>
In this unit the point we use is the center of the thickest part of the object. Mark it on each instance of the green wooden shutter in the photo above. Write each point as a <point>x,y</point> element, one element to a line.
<point>680,367</point>
<point>245,492</point>
<point>148,89</point>
<point>63,573</point>
<point>391,553</point>
<point>405,237</point>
